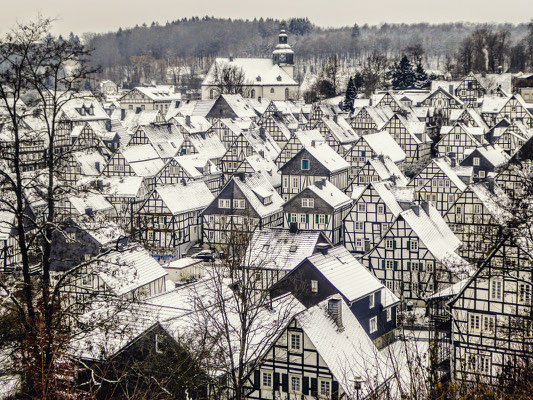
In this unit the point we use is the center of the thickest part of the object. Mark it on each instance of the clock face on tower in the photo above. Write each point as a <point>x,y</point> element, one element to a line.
<point>282,57</point>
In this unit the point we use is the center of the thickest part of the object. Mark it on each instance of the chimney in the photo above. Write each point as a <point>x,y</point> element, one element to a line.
<point>262,153</point>
<point>97,166</point>
<point>335,118</point>
<point>89,211</point>
<point>100,184</point>
<point>490,184</point>
<point>108,125</point>
<point>122,114</point>
<point>188,120</point>
<point>450,89</point>
<point>425,207</point>
<point>312,143</point>
<point>323,248</point>
<point>293,228</point>
<point>453,162</point>
<point>335,311</point>
<point>230,58</point>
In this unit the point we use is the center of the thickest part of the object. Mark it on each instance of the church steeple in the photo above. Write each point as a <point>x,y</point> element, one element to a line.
<point>283,54</point>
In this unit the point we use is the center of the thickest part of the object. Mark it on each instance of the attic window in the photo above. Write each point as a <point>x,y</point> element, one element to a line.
<point>266,247</point>
<point>305,164</point>
<point>293,249</point>
<point>268,200</point>
<point>278,78</point>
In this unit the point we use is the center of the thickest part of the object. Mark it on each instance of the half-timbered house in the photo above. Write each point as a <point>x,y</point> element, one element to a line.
<point>231,106</point>
<point>380,168</point>
<point>320,206</point>
<point>244,203</point>
<point>375,208</point>
<point>189,168</point>
<point>457,139</point>
<point>164,138</point>
<point>156,97</point>
<point>169,221</point>
<point>491,330</point>
<point>439,183</point>
<point>302,363</point>
<point>312,163</point>
<point>296,143</point>
<point>229,129</point>
<point>470,90</point>
<point>417,255</point>
<point>370,146</point>
<point>337,132</point>
<point>411,136</point>
<point>485,161</point>
<point>370,119</point>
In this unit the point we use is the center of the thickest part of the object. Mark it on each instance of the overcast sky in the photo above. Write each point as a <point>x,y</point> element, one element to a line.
<point>104,15</point>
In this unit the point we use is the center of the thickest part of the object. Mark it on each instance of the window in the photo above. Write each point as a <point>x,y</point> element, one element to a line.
<point>476,161</point>
<point>238,203</point>
<point>358,243</point>
<point>475,323</point>
<point>321,219</point>
<point>252,93</point>
<point>413,243</point>
<point>482,174</point>
<point>389,314</point>
<point>524,293</point>
<point>303,218</point>
<point>359,226</point>
<point>295,182</point>
<point>372,300</point>
<point>267,379</point>
<point>314,286</point>
<point>489,322</point>
<point>271,90</point>
<point>295,341</point>
<point>389,264</point>
<point>325,388</point>
<point>361,207</point>
<point>212,94</point>
<point>477,209</point>
<point>305,164</point>
<point>158,344</point>
<point>296,384</point>
<point>389,244</point>
<point>224,203</point>
<point>285,181</point>
<point>308,202</point>
<point>373,324</point>
<point>286,93</point>
<point>496,289</point>
<point>381,209</point>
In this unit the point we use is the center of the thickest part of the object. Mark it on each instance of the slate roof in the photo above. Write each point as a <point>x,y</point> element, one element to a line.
<point>180,198</point>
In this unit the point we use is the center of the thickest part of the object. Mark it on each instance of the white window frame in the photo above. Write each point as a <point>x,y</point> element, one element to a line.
<point>475,161</point>
<point>293,379</point>
<point>414,244</point>
<point>295,335</point>
<point>389,314</point>
<point>224,203</point>
<point>324,388</point>
<point>389,244</point>
<point>270,376</point>
<point>308,202</point>
<point>361,207</point>
<point>372,300</point>
<point>158,344</point>
<point>496,289</point>
<point>524,293</point>
<point>373,325</point>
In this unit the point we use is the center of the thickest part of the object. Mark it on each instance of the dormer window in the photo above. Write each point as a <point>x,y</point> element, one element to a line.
<point>278,78</point>
<point>305,164</point>
<point>267,200</point>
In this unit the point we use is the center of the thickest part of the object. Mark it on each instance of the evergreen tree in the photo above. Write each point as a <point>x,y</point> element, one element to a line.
<point>421,77</point>
<point>402,74</point>
<point>351,94</point>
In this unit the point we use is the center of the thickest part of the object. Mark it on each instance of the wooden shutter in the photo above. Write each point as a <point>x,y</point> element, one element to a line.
<point>305,388</point>
<point>316,218</point>
<point>314,387</point>
<point>276,381</point>
<point>326,219</point>
<point>335,390</point>
<point>383,263</point>
<point>285,382</point>
<point>306,218</point>
<point>257,379</point>
<point>394,244</point>
<point>289,218</point>
<point>408,245</point>
<point>395,264</point>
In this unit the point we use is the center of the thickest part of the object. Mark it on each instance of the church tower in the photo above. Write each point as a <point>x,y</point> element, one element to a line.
<point>283,54</point>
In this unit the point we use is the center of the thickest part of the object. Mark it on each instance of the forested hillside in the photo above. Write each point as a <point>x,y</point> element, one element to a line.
<point>150,50</point>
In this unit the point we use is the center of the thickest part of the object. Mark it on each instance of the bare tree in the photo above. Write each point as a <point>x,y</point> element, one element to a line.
<point>39,76</point>
<point>375,68</point>
<point>228,79</point>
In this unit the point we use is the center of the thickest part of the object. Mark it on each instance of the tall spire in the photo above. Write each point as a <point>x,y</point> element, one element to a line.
<point>283,54</point>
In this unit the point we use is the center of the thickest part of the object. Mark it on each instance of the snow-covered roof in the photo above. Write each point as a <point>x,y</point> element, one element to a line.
<point>328,157</point>
<point>159,92</point>
<point>193,123</point>
<point>257,181</point>
<point>493,104</point>
<point>392,195</point>
<point>340,129</point>
<point>388,170</point>
<point>238,105</point>
<point>382,143</point>
<point>346,273</point>
<point>266,167</point>
<point>436,235</point>
<point>180,198</point>
<point>208,145</point>
<point>330,193</point>
<point>90,163</point>
<point>262,143</point>
<point>349,353</point>
<point>493,154</point>
<point>257,72</point>
<point>126,270</point>
<point>143,159</point>
<point>279,249</point>
<point>122,186</point>
<point>94,201</point>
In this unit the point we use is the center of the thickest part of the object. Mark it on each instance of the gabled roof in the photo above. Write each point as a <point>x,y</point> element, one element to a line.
<point>250,185</point>
<point>392,195</point>
<point>349,353</point>
<point>208,145</point>
<point>143,159</point>
<point>387,169</point>
<point>257,72</point>
<point>493,154</point>
<point>330,193</point>
<point>126,270</point>
<point>122,186</point>
<point>193,123</point>
<point>382,143</point>
<point>432,230</point>
<point>444,166</point>
<point>179,199</point>
<point>278,248</point>
<point>340,129</point>
<point>346,273</point>
<point>158,92</point>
